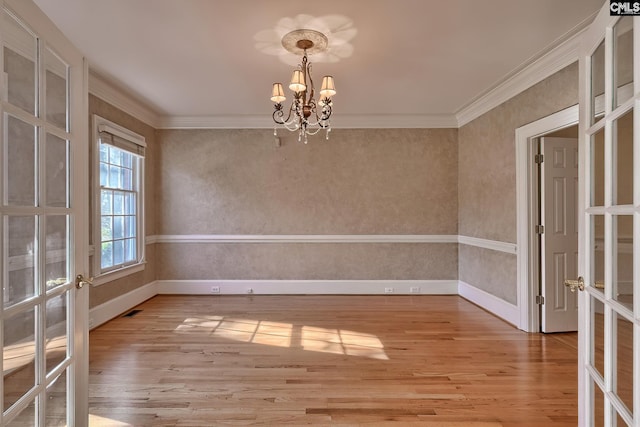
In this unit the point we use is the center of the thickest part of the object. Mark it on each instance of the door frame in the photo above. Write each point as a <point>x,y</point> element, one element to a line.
<point>526,200</point>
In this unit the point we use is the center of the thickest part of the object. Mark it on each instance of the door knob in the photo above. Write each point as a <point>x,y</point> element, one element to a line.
<point>575,284</point>
<point>81,281</point>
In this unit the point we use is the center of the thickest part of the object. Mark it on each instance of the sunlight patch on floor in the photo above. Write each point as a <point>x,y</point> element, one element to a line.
<point>310,338</point>
<point>96,421</point>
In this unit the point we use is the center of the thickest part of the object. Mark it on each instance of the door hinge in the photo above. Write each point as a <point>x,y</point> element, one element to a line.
<point>539,299</point>
<point>539,158</point>
<point>540,229</point>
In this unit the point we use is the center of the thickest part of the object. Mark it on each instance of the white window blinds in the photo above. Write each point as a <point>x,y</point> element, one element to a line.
<point>128,141</point>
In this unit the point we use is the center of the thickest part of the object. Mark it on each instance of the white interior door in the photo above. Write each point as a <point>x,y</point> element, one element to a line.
<point>609,259</point>
<point>559,243</point>
<point>43,195</point>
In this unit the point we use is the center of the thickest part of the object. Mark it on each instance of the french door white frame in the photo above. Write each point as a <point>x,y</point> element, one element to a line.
<point>39,23</point>
<point>588,377</point>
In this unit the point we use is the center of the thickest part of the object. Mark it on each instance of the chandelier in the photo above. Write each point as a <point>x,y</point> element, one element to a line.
<point>306,115</point>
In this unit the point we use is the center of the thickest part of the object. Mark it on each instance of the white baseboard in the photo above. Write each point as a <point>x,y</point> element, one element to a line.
<point>308,287</point>
<point>501,308</point>
<point>112,308</point>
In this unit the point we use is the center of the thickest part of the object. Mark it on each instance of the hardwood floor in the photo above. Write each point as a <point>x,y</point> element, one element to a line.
<point>333,360</point>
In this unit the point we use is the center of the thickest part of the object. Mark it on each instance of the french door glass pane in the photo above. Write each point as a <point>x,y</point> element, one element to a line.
<point>19,65</point>
<point>623,169</point>
<point>597,168</point>
<point>56,332</point>
<point>56,401</point>
<point>598,405</point>
<point>597,252</point>
<point>56,266</point>
<point>597,338</point>
<point>623,259</point>
<point>621,422</point>
<point>20,162</point>
<point>623,59</point>
<point>597,82</point>
<point>624,361</point>
<point>57,167</point>
<point>20,259</point>
<point>19,356</point>
<point>26,418</point>
<point>56,90</point>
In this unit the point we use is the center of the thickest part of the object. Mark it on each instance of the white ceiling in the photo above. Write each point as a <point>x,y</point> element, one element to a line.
<point>215,58</point>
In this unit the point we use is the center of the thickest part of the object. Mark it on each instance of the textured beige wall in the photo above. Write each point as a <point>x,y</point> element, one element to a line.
<point>492,271</point>
<point>487,170</point>
<point>359,182</point>
<point>308,261</point>
<point>400,181</point>
<point>487,179</point>
<point>107,291</point>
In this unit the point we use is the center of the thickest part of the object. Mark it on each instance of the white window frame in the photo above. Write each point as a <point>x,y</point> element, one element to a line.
<point>101,124</point>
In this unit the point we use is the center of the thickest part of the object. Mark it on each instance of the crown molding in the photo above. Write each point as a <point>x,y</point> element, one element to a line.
<point>235,121</point>
<point>394,121</point>
<point>119,99</point>
<point>561,56</point>
<point>263,121</point>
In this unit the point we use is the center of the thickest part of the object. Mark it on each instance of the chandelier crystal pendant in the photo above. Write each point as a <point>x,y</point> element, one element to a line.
<point>306,115</point>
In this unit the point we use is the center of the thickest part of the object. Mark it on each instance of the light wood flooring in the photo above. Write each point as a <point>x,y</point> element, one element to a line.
<point>435,361</point>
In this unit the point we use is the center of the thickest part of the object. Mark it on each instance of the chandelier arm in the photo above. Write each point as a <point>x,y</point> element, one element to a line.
<point>308,72</point>
<point>326,111</point>
<point>278,114</point>
<point>323,118</point>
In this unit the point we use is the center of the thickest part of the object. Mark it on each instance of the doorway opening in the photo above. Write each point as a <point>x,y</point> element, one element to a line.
<point>530,207</point>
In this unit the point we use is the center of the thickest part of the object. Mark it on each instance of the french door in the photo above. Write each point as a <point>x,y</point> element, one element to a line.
<point>609,259</point>
<point>43,195</point>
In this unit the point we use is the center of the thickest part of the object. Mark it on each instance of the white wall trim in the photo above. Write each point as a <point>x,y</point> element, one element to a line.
<point>121,100</point>
<point>303,238</point>
<point>549,63</point>
<point>150,240</point>
<point>507,247</point>
<point>112,308</point>
<point>353,121</point>
<point>119,273</point>
<point>497,306</point>
<point>510,248</point>
<point>307,287</point>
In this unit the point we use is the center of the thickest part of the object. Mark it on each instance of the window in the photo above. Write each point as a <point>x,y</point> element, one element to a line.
<point>119,230</point>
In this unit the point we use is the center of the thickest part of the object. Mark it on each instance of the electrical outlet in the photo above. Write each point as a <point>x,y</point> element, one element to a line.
<point>215,289</point>
<point>388,290</point>
<point>414,290</point>
<point>250,290</point>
